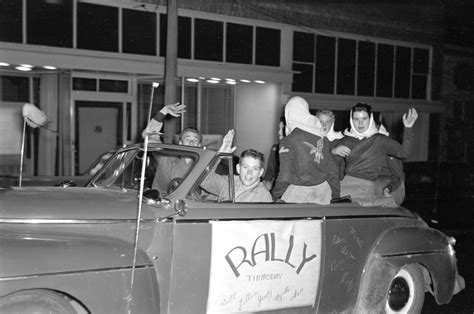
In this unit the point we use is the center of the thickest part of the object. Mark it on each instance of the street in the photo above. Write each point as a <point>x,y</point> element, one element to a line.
<point>463,302</point>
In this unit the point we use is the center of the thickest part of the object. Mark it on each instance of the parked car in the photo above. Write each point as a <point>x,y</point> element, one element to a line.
<point>108,248</point>
<point>63,181</point>
<point>441,192</point>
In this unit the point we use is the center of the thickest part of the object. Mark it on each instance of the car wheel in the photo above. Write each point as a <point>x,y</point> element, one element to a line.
<point>38,301</point>
<point>406,292</point>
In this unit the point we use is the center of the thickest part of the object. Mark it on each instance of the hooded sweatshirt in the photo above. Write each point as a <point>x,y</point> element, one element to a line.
<point>305,157</point>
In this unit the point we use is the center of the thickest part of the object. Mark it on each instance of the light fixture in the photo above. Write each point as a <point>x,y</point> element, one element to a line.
<point>194,80</point>
<point>4,64</point>
<point>212,81</point>
<point>245,81</point>
<point>215,79</point>
<point>231,82</point>
<point>23,68</point>
<point>259,82</point>
<point>50,67</point>
<point>26,65</point>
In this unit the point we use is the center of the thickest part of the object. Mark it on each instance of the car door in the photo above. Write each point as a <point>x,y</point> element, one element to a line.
<point>243,257</point>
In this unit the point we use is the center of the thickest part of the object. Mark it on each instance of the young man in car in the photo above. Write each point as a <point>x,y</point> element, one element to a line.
<point>247,185</point>
<point>169,169</point>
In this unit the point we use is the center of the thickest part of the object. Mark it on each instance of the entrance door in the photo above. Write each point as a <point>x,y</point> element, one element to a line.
<point>98,129</point>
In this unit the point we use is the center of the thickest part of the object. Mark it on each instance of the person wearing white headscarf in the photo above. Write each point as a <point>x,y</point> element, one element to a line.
<point>364,152</point>
<point>308,172</point>
<point>326,118</point>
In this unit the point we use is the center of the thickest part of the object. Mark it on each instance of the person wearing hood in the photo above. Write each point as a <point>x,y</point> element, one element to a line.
<point>364,152</point>
<point>326,118</point>
<point>308,172</point>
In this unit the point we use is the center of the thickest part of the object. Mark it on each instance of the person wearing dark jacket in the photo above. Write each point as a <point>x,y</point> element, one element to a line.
<point>273,164</point>
<point>308,173</point>
<point>364,153</point>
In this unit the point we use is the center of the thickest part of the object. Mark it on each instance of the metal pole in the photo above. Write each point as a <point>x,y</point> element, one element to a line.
<point>171,60</point>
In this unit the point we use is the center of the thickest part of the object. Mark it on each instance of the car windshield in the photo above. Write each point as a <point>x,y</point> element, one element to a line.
<point>165,169</point>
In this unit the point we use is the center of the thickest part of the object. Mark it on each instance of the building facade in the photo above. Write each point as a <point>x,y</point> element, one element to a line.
<point>90,65</point>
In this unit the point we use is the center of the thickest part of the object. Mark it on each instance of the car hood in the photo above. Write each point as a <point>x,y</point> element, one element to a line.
<point>69,203</point>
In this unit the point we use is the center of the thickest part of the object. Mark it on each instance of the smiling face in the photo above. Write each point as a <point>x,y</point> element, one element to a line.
<point>190,138</point>
<point>361,121</point>
<point>250,170</point>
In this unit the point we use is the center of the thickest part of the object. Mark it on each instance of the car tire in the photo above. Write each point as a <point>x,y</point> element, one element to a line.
<point>37,301</point>
<point>406,292</point>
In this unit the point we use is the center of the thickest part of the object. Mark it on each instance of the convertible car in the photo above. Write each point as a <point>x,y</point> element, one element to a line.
<point>63,181</point>
<point>147,235</point>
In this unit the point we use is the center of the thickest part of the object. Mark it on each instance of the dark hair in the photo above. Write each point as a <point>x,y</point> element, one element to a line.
<point>252,153</point>
<point>192,130</point>
<point>362,106</point>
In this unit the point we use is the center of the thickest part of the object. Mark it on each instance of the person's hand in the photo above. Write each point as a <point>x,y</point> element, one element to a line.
<point>410,118</point>
<point>341,150</point>
<point>174,109</point>
<point>226,146</point>
<point>386,192</point>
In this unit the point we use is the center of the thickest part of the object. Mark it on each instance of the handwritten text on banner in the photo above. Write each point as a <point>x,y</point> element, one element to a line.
<point>264,265</point>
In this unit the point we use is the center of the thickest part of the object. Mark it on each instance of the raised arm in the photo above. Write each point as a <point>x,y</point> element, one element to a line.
<point>403,151</point>
<point>153,129</point>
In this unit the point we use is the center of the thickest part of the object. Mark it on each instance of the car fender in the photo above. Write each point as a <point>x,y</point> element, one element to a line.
<point>34,253</point>
<point>400,246</point>
<point>78,266</point>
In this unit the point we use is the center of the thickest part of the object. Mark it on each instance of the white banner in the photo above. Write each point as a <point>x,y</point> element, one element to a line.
<point>264,265</point>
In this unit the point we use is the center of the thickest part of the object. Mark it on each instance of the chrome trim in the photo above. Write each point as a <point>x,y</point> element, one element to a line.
<point>70,221</point>
<point>73,272</point>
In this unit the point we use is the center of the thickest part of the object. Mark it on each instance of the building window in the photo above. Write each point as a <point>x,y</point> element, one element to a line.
<point>420,73</point>
<point>303,78</point>
<point>113,86</point>
<point>84,84</point>
<point>15,88</point>
<point>139,32</point>
<point>11,21</point>
<point>208,40</point>
<point>402,72</point>
<point>303,47</point>
<point>184,36</point>
<point>359,68</point>
<point>239,43</point>
<point>97,27</point>
<point>365,68</point>
<point>49,23</point>
<point>346,56</point>
<point>385,57</point>
<point>325,64</point>
<point>267,46</point>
